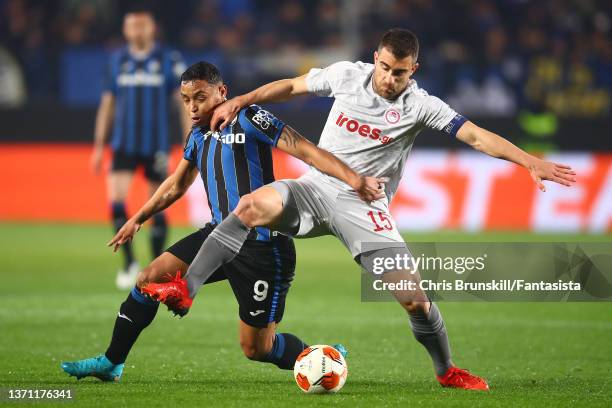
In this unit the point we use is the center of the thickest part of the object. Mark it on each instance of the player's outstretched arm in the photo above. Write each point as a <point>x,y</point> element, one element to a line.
<point>104,122</point>
<point>368,188</point>
<point>496,146</point>
<point>277,91</point>
<point>173,188</point>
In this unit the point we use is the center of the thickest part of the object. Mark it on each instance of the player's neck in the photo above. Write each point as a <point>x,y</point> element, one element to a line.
<point>203,125</point>
<point>142,51</point>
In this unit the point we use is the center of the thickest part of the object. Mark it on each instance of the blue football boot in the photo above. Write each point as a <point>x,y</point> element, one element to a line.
<point>99,367</point>
<point>341,349</point>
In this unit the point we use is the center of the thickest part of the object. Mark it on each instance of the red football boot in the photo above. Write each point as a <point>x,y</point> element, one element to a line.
<point>459,378</point>
<point>173,294</point>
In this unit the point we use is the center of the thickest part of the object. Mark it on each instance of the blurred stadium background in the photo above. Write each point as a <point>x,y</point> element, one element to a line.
<point>536,72</point>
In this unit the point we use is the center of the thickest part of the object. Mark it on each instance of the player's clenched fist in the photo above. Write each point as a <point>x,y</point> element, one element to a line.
<point>125,234</point>
<point>371,188</point>
<point>224,114</point>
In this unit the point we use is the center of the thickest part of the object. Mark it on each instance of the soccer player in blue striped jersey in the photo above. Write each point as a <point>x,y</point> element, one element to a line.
<point>232,164</point>
<point>141,86</point>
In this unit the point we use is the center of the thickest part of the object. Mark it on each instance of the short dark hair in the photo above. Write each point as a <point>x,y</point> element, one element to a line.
<point>204,71</point>
<point>140,9</point>
<point>401,42</point>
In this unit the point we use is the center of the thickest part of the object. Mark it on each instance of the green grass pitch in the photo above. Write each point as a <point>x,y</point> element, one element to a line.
<point>58,302</point>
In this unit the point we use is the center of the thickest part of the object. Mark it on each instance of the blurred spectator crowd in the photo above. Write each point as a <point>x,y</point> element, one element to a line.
<point>484,57</point>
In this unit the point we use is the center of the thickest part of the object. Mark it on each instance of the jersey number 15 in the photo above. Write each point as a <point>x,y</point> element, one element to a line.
<point>385,222</point>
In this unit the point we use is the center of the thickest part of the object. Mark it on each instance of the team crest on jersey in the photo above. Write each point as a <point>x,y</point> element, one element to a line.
<point>127,66</point>
<point>392,116</point>
<point>153,66</point>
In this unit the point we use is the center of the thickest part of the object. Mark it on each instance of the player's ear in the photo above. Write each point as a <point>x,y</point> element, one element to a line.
<point>415,67</point>
<point>223,90</point>
<point>375,57</point>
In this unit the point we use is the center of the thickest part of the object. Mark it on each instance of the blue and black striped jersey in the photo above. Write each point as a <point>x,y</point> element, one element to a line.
<point>236,161</point>
<point>143,93</point>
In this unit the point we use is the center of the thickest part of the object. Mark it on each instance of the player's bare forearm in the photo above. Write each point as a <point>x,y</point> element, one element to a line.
<point>492,144</point>
<point>496,146</point>
<point>168,192</point>
<point>298,146</point>
<point>329,164</point>
<point>164,197</point>
<point>173,188</point>
<point>290,141</point>
<point>104,119</point>
<point>277,91</point>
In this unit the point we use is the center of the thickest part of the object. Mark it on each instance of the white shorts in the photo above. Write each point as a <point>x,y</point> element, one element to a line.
<point>325,208</point>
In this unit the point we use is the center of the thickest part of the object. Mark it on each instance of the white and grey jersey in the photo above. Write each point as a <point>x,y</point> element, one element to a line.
<point>369,133</point>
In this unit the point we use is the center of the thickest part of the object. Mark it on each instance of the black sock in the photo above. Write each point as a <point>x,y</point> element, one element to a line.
<point>120,218</point>
<point>158,234</point>
<point>135,314</point>
<point>285,349</point>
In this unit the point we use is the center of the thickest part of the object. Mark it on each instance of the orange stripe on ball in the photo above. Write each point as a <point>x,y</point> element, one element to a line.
<point>302,382</point>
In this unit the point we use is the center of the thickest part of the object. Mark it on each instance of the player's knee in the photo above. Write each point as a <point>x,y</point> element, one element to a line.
<point>143,278</point>
<point>246,210</point>
<point>149,274</point>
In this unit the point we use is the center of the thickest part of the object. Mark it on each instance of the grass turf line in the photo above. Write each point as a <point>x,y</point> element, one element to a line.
<point>58,302</point>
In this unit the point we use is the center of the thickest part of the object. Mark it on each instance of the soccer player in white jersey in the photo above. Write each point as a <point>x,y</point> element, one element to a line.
<point>377,113</point>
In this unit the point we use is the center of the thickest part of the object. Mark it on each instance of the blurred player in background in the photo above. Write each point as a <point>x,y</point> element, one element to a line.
<point>377,113</point>
<point>232,163</point>
<point>141,84</point>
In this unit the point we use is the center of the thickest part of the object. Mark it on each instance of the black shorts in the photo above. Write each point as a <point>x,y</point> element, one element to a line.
<point>155,166</point>
<point>260,275</point>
